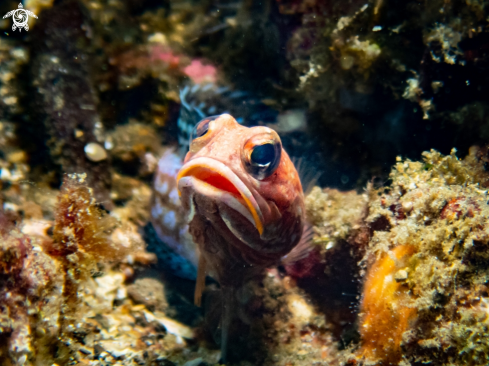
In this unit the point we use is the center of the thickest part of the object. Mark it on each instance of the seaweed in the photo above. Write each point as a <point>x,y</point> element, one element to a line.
<point>43,276</point>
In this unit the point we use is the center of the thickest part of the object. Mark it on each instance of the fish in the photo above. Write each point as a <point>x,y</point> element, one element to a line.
<point>201,100</point>
<point>245,205</point>
<point>167,233</point>
<point>173,244</point>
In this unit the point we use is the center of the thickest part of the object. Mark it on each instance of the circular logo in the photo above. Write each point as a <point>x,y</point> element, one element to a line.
<point>20,17</point>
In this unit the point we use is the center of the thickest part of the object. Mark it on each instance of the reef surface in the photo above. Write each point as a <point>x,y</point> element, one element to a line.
<point>374,95</point>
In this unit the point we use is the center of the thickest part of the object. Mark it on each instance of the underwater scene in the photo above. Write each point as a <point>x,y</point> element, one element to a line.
<point>244,182</point>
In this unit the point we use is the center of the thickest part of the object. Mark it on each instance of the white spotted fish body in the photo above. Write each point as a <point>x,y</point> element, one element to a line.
<point>167,215</point>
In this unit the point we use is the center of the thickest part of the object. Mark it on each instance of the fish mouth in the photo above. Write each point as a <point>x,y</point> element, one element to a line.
<point>216,180</point>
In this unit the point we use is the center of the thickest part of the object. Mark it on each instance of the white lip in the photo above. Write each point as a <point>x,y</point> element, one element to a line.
<point>212,192</point>
<point>250,209</point>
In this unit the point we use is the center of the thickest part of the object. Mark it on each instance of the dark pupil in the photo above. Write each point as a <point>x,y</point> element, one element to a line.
<point>263,154</point>
<point>201,128</point>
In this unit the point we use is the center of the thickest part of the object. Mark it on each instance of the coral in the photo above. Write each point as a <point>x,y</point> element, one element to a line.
<point>150,292</point>
<point>132,141</point>
<point>12,58</point>
<point>354,52</point>
<point>13,163</point>
<point>330,274</point>
<point>134,196</point>
<point>449,39</point>
<point>386,306</point>
<point>80,227</point>
<point>118,331</point>
<point>351,58</point>
<point>27,275</point>
<point>154,60</point>
<point>424,296</point>
<point>334,214</point>
<point>43,277</point>
<point>293,329</point>
<point>337,221</point>
<point>199,72</point>
<point>29,300</point>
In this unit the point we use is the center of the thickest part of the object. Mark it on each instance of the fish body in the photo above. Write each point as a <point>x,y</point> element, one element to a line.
<point>173,243</point>
<point>234,218</point>
<point>243,196</point>
<point>245,206</point>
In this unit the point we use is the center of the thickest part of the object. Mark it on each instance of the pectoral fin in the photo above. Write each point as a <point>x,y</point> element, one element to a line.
<point>200,284</point>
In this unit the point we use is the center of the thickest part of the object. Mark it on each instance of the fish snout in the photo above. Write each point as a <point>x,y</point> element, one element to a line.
<point>216,181</point>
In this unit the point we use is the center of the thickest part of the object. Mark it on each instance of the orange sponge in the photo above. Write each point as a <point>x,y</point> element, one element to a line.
<point>386,306</point>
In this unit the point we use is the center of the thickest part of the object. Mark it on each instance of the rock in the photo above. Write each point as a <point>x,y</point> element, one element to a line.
<point>150,292</point>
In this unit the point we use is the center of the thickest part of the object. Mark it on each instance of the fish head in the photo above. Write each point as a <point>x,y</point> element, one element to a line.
<point>241,186</point>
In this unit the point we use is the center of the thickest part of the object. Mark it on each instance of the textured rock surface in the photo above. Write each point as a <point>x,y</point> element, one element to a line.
<point>66,101</point>
<point>361,82</point>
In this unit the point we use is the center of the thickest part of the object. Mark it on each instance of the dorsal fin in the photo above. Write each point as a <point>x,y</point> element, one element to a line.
<point>199,101</point>
<point>308,177</point>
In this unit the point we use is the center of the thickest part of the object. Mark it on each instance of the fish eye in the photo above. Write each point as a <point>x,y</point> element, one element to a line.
<point>261,155</point>
<point>202,127</point>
